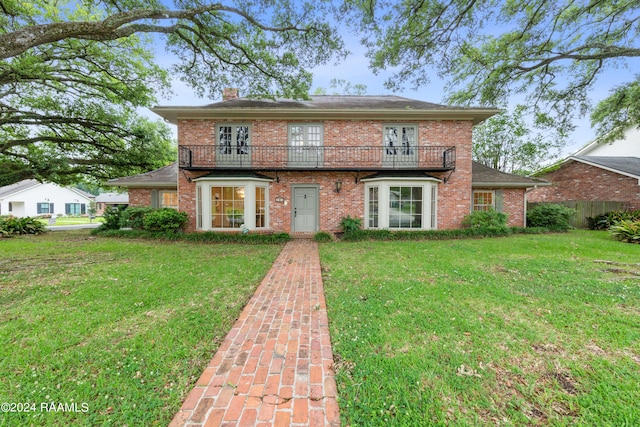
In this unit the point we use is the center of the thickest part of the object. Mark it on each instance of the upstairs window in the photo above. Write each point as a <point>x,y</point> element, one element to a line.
<point>400,140</point>
<point>233,139</point>
<point>305,144</point>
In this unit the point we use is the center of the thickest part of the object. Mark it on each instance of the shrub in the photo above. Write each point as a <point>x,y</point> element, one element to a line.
<point>489,218</point>
<point>551,216</point>
<point>323,237</point>
<point>11,226</point>
<point>350,225</point>
<point>133,217</point>
<point>627,231</point>
<point>165,220</point>
<point>606,220</point>
<point>111,218</point>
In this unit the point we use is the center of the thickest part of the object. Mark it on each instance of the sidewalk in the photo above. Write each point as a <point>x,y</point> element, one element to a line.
<point>275,367</point>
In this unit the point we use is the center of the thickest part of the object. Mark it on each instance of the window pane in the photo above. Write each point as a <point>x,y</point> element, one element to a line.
<point>405,207</point>
<point>242,139</point>
<point>297,136</point>
<point>169,199</point>
<point>224,139</point>
<point>227,207</point>
<point>373,207</point>
<point>314,136</point>
<point>482,200</point>
<point>261,212</point>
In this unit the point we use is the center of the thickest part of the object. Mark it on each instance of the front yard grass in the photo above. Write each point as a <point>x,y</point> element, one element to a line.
<point>524,330</point>
<point>118,330</point>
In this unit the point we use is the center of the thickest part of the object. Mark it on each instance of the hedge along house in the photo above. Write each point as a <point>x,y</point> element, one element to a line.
<point>300,166</point>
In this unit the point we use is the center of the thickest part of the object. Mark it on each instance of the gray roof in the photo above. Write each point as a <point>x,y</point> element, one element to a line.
<point>629,166</point>
<point>112,198</point>
<point>8,190</point>
<point>484,176</point>
<point>334,102</point>
<point>389,107</point>
<point>166,176</point>
<point>26,184</point>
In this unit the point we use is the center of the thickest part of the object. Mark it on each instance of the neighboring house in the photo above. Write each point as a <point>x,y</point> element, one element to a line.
<point>302,166</point>
<point>628,146</point>
<point>596,177</point>
<point>110,200</point>
<point>33,198</point>
<point>593,179</point>
<point>156,188</point>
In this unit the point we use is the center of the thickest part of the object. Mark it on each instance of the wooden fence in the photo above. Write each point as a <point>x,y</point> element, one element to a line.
<point>586,209</point>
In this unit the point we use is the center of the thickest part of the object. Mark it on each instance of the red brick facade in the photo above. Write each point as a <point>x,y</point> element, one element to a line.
<point>454,195</point>
<point>576,181</point>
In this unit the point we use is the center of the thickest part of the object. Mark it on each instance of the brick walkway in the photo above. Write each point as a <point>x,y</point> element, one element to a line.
<point>275,367</point>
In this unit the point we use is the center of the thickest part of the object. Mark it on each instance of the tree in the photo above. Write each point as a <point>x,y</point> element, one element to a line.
<point>549,51</point>
<point>506,143</point>
<point>73,75</point>
<point>342,87</point>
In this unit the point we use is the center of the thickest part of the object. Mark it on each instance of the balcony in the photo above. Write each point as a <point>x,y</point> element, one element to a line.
<point>208,157</point>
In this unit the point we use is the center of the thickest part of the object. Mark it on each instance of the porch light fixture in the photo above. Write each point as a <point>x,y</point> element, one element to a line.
<point>338,186</point>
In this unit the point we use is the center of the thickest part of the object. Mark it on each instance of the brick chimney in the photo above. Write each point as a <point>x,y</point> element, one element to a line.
<point>229,93</point>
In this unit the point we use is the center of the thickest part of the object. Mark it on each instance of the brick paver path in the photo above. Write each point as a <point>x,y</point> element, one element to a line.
<point>275,367</point>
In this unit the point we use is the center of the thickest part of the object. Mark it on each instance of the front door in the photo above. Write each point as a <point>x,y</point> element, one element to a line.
<point>305,209</point>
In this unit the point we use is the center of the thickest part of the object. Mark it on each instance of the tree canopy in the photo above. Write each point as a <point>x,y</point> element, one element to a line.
<point>73,75</point>
<point>547,52</point>
<point>507,143</point>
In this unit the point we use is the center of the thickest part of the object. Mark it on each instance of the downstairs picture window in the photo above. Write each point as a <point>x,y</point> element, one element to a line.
<point>230,205</point>
<point>401,203</point>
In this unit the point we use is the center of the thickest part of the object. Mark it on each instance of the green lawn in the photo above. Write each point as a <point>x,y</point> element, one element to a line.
<point>525,330</point>
<point>121,328</point>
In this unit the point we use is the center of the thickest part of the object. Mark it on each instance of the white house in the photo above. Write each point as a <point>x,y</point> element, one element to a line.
<point>628,146</point>
<point>33,198</point>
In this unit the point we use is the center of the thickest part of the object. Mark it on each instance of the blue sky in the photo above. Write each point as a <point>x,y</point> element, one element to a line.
<point>355,70</point>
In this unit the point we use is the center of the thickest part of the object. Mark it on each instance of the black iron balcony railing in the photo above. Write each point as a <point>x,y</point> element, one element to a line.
<point>204,157</point>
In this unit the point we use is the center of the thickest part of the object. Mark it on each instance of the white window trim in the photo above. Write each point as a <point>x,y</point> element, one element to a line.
<point>493,198</point>
<point>383,184</point>
<point>249,185</point>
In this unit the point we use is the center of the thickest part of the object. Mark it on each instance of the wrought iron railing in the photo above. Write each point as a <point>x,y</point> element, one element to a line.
<point>435,158</point>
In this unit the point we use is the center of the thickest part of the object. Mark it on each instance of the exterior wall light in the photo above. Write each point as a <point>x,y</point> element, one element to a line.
<point>338,186</point>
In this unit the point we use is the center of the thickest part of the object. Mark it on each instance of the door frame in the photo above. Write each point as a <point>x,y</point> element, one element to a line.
<point>315,188</point>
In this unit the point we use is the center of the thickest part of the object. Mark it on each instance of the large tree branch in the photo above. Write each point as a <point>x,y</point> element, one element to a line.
<point>596,52</point>
<point>119,25</point>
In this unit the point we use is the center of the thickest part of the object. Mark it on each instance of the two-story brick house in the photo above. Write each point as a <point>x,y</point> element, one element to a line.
<point>300,166</point>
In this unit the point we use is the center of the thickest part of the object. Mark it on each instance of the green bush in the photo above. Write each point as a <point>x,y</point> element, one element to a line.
<point>350,225</point>
<point>462,233</point>
<point>165,220</point>
<point>627,231</point>
<point>606,220</point>
<point>552,216</point>
<point>111,218</point>
<point>133,217</point>
<point>12,226</point>
<point>323,237</point>
<point>489,218</point>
